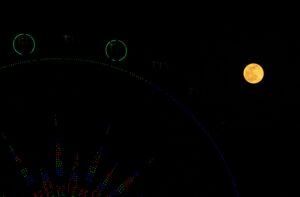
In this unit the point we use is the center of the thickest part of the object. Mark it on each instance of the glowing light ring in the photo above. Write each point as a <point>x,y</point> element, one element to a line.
<point>28,35</point>
<point>158,89</point>
<point>124,45</point>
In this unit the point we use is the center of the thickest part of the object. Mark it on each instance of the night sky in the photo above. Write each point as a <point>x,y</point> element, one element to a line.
<point>202,62</point>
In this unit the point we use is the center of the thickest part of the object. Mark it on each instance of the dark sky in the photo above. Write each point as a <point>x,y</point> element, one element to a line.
<point>255,126</point>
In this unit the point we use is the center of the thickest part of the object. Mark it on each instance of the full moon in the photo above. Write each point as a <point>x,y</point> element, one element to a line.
<point>253,73</point>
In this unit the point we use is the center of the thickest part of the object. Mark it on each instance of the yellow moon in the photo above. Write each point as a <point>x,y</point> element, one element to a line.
<point>253,73</point>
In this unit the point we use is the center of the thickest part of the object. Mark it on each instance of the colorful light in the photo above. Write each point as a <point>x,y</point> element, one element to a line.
<point>93,166</point>
<point>128,182</point>
<point>73,189</point>
<point>107,180</point>
<point>46,183</point>
<point>24,171</point>
<point>74,178</point>
<point>58,161</point>
<point>15,156</point>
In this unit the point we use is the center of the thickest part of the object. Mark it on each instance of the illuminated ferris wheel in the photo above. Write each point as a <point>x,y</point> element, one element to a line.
<point>118,134</point>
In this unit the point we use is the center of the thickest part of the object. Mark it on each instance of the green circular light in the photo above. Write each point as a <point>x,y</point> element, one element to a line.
<point>19,35</point>
<point>110,43</point>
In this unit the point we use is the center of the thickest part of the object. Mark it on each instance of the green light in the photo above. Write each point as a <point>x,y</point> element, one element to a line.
<point>115,42</point>
<point>24,171</point>
<point>29,36</point>
<point>92,169</point>
<point>58,163</point>
<point>121,188</point>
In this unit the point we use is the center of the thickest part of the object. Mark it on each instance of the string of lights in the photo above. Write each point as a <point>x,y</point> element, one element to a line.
<point>56,187</point>
<point>24,172</point>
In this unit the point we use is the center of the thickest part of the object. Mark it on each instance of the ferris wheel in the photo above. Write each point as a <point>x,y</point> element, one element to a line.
<point>91,127</point>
